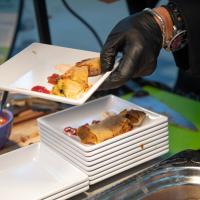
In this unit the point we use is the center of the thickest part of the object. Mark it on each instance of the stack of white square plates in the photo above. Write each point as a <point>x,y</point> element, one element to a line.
<point>36,172</point>
<point>112,156</point>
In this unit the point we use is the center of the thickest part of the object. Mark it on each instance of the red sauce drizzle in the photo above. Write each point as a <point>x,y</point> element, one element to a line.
<point>53,79</point>
<point>70,131</point>
<point>39,88</point>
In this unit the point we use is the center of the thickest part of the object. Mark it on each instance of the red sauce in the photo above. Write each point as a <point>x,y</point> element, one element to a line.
<point>70,131</point>
<point>53,79</point>
<point>3,120</point>
<point>39,88</point>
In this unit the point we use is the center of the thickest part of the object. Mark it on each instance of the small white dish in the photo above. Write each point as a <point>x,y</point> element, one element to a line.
<point>140,158</point>
<point>76,189</point>
<point>64,197</point>
<point>128,165</point>
<point>110,153</point>
<point>36,172</point>
<point>115,160</point>
<point>34,64</point>
<point>93,110</point>
<point>118,168</point>
<point>97,153</point>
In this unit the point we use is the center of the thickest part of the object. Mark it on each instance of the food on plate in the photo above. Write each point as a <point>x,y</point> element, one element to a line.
<point>70,131</point>
<point>53,79</point>
<point>93,65</point>
<point>74,81</point>
<point>72,84</point>
<point>111,126</point>
<point>41,89</point>
<point>135,116</point>
<point>78,74</point>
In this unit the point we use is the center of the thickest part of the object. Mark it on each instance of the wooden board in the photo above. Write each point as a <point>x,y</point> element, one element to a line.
<point>24,131</point>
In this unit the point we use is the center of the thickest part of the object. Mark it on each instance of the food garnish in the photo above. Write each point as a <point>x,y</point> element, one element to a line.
<point>73,82</point>
<point>53,79</point>
<point>39,88</point>
<point>114,125</point>
<point>70,131</point>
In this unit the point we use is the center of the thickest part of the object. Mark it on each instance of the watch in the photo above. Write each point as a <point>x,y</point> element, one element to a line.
<point>179,36</point>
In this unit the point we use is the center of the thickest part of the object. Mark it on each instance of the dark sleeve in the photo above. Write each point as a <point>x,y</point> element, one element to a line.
<point>188,58</point>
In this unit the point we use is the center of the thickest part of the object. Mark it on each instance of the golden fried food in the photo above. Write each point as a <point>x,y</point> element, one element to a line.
<point>110,127</point>
<point>79,74</point>
<point>135,116</point>
<point>72,84</point>
<point>93,65</point>
<point>73,89</point>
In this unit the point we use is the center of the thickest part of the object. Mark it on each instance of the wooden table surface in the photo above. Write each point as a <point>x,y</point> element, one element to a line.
<point>24,131</point>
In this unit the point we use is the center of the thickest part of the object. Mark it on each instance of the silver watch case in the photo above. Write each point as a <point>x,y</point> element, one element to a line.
<point>178,41</point>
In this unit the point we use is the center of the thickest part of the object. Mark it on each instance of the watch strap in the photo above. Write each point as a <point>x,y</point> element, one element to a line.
<point>179,38</point>
<point>176,15</point>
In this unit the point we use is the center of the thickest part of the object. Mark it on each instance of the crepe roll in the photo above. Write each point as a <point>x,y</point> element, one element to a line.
<point>104,130</point>
<point>93,65</point>
<point>135,116</point>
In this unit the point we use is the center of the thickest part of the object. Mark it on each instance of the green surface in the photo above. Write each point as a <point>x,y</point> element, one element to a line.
<point>3,54</point>
<point>179,138</point>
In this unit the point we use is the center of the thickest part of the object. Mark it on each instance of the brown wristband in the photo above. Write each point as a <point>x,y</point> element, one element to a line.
<point>167,20</point>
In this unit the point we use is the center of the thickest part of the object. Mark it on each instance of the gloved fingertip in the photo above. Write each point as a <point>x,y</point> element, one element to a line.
<point>104,86</point>
<point>106,63</point>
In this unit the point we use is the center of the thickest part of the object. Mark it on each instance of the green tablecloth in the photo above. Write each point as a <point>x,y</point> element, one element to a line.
<point>180,138</point>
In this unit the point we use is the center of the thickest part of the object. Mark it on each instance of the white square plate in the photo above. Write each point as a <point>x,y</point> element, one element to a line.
<point>35,63</point>
<point>123,166</point>
<point>70,192</point>
<point>103,151</point>
<point>128,165</point>
<point>64,197</point>
<point>95,110</point>
<point>110,153</point>
<point>131,153</point>
<point>36,172</point>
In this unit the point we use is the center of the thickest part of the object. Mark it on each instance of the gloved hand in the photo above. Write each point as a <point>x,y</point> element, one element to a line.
<point>139,39</point>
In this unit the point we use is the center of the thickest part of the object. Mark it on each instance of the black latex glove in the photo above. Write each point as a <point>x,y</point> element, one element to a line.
<point>139,39</point>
